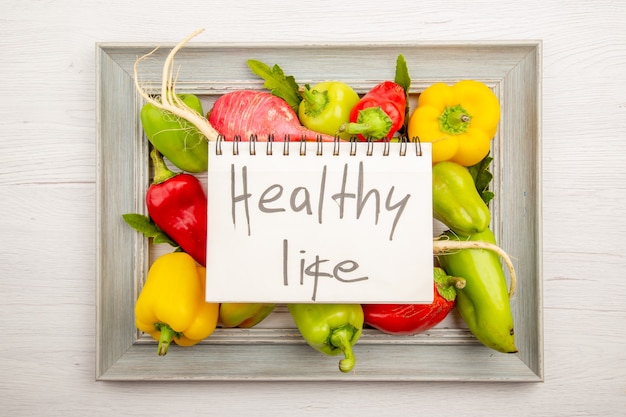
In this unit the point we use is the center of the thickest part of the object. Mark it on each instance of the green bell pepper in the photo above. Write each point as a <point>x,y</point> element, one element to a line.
<point>326,106</point>
<point>176,138</point>
<point>484,302</point>
<point>456,201</point>
<point>330,328</point>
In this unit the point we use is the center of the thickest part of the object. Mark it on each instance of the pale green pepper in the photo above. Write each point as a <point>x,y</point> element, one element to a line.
<point>484,301</point>
<point>326,106</point>
<point>331,329</point>
<point>176,138</point>
<point>456,201</point>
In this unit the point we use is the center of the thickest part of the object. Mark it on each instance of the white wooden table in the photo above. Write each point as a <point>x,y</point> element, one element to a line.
<point>47,208</point>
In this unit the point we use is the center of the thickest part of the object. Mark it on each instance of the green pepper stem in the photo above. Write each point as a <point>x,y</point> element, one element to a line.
<point>457,282</point>
<point>161,172</point>
<point>165,338</point>
<point>454,120</point>
<point>372,123</point>
<point>315,101</point>
<point>341,338</point>
<point>355,128</point>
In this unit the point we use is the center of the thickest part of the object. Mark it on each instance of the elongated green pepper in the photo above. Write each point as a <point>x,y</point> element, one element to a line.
<point>456,201</point>
<point>176,138</point>
<point>331,329</point>
<point>484,302</point>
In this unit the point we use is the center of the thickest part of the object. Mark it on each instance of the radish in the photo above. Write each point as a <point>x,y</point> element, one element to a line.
<point>245,113</point>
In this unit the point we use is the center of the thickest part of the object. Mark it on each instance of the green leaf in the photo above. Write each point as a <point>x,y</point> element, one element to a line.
<point>482,178</point>
<point>403,79</point>
<point>280,85</point>
<point>146,226</point>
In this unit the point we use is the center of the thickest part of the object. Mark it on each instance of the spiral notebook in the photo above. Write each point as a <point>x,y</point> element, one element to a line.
<point>319,222</point>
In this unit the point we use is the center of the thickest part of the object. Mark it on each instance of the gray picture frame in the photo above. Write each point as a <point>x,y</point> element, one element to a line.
<point>511,68</point>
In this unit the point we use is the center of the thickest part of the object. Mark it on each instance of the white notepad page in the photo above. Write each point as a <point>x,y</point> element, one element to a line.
<point>330,222</point>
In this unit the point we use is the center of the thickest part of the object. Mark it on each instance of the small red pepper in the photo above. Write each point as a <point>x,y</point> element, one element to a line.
<point>379,114</point>
<point>177,203</point>
<point>405,319</point>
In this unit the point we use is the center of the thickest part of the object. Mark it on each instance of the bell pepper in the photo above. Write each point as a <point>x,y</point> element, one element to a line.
<point>331,329</point>
<point>176,138</point>
<point>171,304</point>
<point>326,106</point>
<point>244,315</point>
<point>177,204</point>
<point>484,302</point>
<point>406,319</point>
<point>460,121</point>
<point>379,114</point>
<point>456,201</point>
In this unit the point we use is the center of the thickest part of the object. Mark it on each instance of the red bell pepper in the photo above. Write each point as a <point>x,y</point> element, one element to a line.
<point>405,319</point>
<point>177,203</point>
<point>379,114</point>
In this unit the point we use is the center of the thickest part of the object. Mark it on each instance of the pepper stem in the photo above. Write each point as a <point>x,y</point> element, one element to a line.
<point>454,120</point>
<point>161,172</point>
<point>447,285</point>
<point>457,282</point>
<point>372,123</point>
<point>341,338</point>
<point>165,338</point>
<point>314,101</point>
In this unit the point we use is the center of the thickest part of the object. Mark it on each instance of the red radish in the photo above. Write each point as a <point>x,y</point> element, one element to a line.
<point>248,112</point>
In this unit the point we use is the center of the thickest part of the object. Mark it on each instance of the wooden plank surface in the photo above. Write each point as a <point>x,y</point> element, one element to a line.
<point>47,209</point>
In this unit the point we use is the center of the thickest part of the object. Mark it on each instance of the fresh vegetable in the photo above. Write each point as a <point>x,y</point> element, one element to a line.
<point>484,302</point>
<point>244,315</point>
<point>460,121</point>
<point>406,319</point>
<point>174,137</point>
<point>171,305</point>
<point>331,329</point>
<point>456,201</point>
<point>379,114</point>
<point>168,99</point>
<point>177,204</point>
<point>326,106</point>
<point>247,113</point>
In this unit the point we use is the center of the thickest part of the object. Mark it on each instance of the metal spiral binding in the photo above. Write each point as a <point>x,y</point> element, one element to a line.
<point>354,144</point>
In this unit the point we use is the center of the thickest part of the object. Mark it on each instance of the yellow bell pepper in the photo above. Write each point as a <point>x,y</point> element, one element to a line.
<point>459,120</point>
<point>171,305</point>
